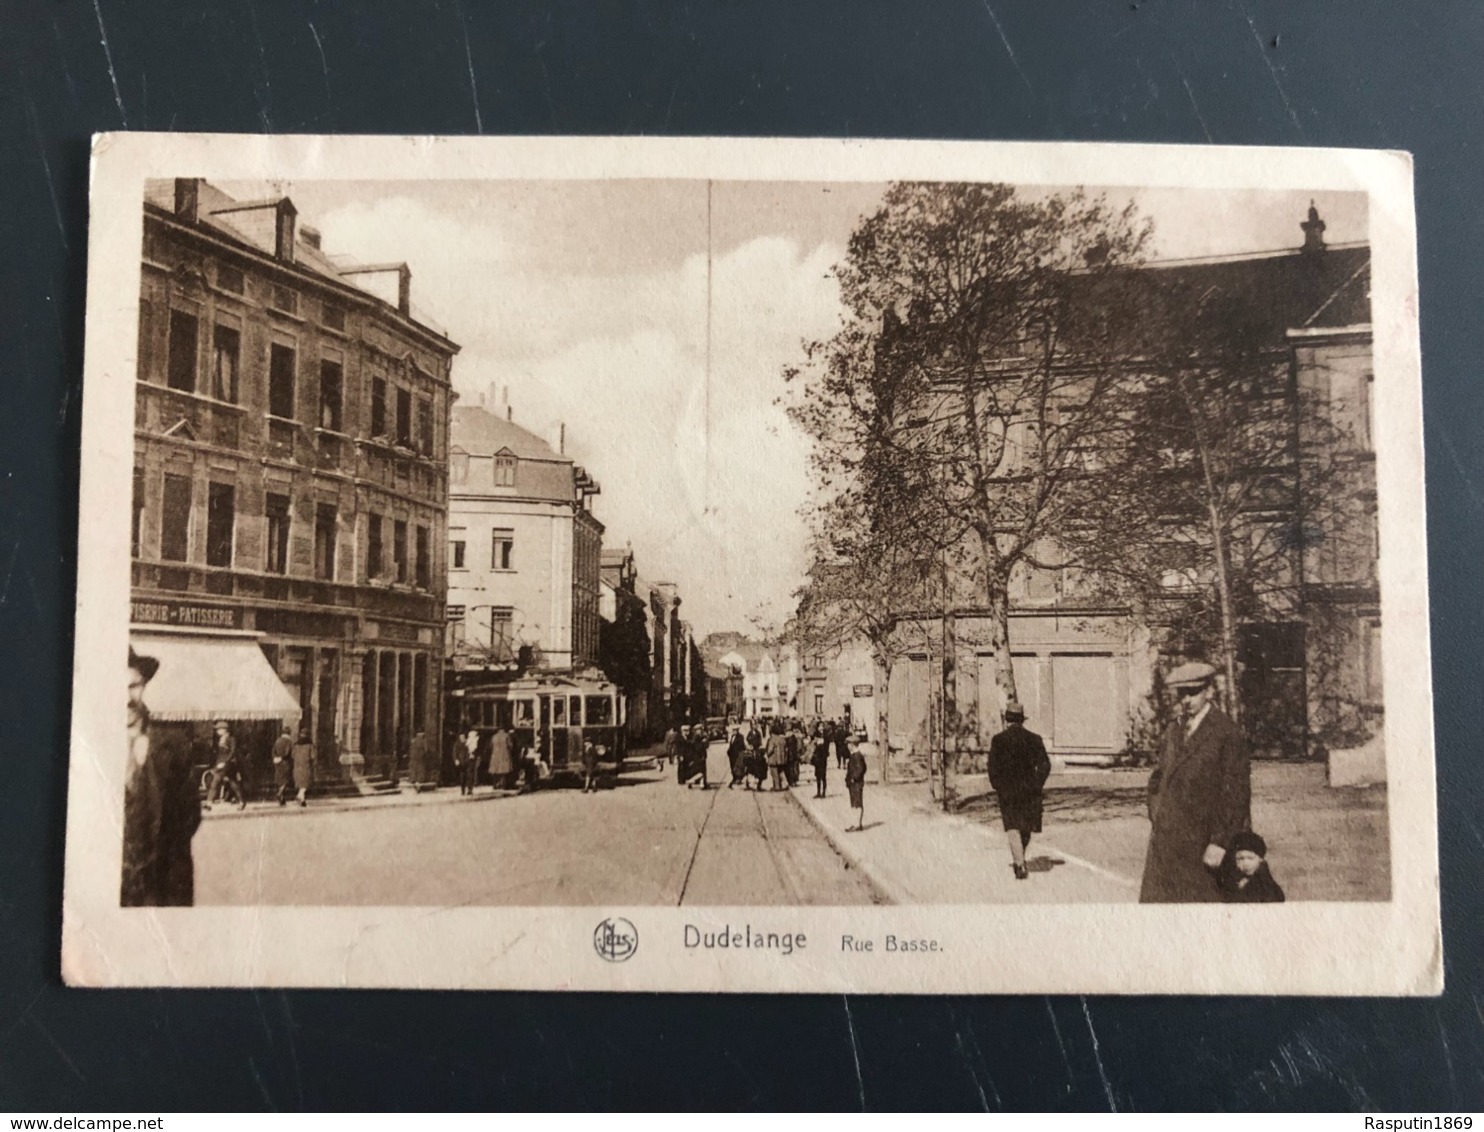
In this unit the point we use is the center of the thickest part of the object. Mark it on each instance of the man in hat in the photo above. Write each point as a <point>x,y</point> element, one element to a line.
<point>1018,769</point>
<point>162,809</point>
<point>1200,795</point>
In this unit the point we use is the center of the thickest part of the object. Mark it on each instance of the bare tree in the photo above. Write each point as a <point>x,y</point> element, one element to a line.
<point>984,331</point>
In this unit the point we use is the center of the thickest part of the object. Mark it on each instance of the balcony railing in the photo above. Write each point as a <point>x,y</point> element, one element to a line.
<point>226,582</point>
<point>187,416</point>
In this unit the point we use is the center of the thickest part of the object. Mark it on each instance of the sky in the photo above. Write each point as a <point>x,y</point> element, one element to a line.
<point>586,304</point>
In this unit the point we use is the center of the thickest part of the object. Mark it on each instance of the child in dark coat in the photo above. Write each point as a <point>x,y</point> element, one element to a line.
<point>1244,875</point>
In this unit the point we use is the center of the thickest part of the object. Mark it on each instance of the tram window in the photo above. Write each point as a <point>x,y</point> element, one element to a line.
<point>524,717</point>
<point>487,713</point>
<point>559,711</point>
<point>576,711</point>
<point>503,714</point>
<point>599,711</point>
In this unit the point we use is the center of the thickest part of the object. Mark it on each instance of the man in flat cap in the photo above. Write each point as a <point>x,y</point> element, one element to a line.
<point>1200,795</point>
<point>161,806</point>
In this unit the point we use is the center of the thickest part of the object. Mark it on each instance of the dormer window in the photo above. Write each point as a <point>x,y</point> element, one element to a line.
<point>504,469</point>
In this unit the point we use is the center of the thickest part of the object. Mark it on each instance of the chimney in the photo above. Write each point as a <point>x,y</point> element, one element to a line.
<point>509,413</point>
<point>310,236</point>
<point>562,438</point>
<point>404,289</point>
<point>285,217</point>
<point>188,199</point>
<point>1313,231</point>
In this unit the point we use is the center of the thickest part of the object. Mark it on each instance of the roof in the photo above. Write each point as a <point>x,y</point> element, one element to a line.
<point>251,224</point>
<point>482,433</point>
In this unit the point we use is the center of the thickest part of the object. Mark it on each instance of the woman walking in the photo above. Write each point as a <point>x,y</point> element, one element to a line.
<point>737,757</point>
<point>303,756</point>
<point>855,782</point>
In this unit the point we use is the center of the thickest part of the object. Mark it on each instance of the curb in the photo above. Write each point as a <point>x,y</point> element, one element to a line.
<point>887,892</point>
<point>349,805</point>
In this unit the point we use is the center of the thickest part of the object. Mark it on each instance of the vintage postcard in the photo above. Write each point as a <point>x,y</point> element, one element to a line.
<point>744,565</point>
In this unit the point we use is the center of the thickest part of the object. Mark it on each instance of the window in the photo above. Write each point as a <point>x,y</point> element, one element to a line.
<point>182,364</point>
<point>502,623</point>
<point>458,467</point>
<point>285,299</point>
<point>424,560</point>
<point>281,381</point>
<point>175,519</point>
<point>225,349</point>
<point>419,692</point>
<point>504,470</point>
<point>425,426</point>
<point>502,549</point>
<point>221,515</point>
<point>229,278</point>
<point>404,418</point>
<point>330,388</point>
<point>373,546</point>
<point>457,548</point>
<point>138,522</point>
<point>324,541</point>
<point>378,406</point>
<point>399,548</point>
<point>276,509</point>
<point>455,613</point>
<point>333,316</point>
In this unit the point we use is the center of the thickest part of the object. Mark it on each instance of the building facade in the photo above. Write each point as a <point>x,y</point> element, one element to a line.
<point>290,469</point>
<point>524,551</point>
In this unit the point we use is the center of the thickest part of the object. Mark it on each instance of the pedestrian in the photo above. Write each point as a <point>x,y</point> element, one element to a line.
<point>283,763</point>
<point>503,770</point>
<point>226,772</point>
<point>842,745</point>
<point>1244,876</point>
<point>794,746</point>
<point>737,758</point>
<point>589,766</point>
<point>1018,769</point>
<point>671,750</point>
<point>820,760</point>
<point>303,756</point>
<point>468,746</point>
<point>1200,794</point>
<point>777,756</point>
<point>417,761</point>
<point>855,783</point>
<point>162,808</point>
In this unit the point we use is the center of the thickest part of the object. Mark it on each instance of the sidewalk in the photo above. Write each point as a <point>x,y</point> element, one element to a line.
<point>917,855</point>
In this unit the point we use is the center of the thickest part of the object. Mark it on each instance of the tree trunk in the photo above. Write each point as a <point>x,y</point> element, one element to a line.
<point>949,734</point>
<point>883,711</point>
<point>1228,619</point>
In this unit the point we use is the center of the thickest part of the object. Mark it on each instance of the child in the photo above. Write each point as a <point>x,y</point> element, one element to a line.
<point>1244,875</point>
<point>855,782</point>
<point>821,763</point>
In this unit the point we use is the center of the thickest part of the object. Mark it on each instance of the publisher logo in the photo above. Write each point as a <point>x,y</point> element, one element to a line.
<point>616,939</point>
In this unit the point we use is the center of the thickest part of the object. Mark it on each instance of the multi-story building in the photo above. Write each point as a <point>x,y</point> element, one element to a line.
<point>623,637</point>
<point>290,481</point>
<point>1308,649</point>
<point>769,678</point>
<point>524,551</point>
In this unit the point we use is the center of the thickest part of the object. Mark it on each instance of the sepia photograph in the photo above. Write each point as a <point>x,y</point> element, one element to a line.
<point>848,559</point>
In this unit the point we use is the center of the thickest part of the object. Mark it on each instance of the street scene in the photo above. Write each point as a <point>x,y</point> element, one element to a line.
<point>690,543</point>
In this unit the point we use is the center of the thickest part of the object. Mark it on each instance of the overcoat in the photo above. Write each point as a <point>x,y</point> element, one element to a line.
<point>303,765</point>
<point>500,762</point>
<point>1018,769</point>
<point>283,763</point>
<point>162,810</point>
<point>777,750</point>
<point>1200,794</point>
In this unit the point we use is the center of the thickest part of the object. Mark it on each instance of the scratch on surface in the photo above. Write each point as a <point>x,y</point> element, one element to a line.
<point>1008,49</point>
<point>855,1050</point>
<point>1060,1045</point>
<point>323,65</point>
<point>1273,71</point>
<point>265,96</point>
<point>262,1088</point>
<point>1098,1056</point>
<point>293,1045</point>
<point>1194,105</point>
<point>108,55</point>
<point>1463,472</point>
<point>67,1061</point>
<point>469,62</point>
<point>1447,1055</point>
<point>46,167</point>
<point>970,1055</point>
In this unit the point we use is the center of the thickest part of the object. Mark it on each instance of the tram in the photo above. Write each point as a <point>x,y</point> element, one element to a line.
<point>552,716</point>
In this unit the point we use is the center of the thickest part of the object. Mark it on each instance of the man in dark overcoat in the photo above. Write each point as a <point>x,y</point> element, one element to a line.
<point>162,808</point>
<point>1200,794</point>
<point>1018,769</point>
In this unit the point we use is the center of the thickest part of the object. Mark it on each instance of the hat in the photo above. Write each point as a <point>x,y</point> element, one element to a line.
<point>1013,710</point>
<point>1191,675</point>
<point>146,666</point>
<point>1250,841</point>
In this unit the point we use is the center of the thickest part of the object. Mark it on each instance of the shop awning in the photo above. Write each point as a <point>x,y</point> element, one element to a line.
<point>212,677</point>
